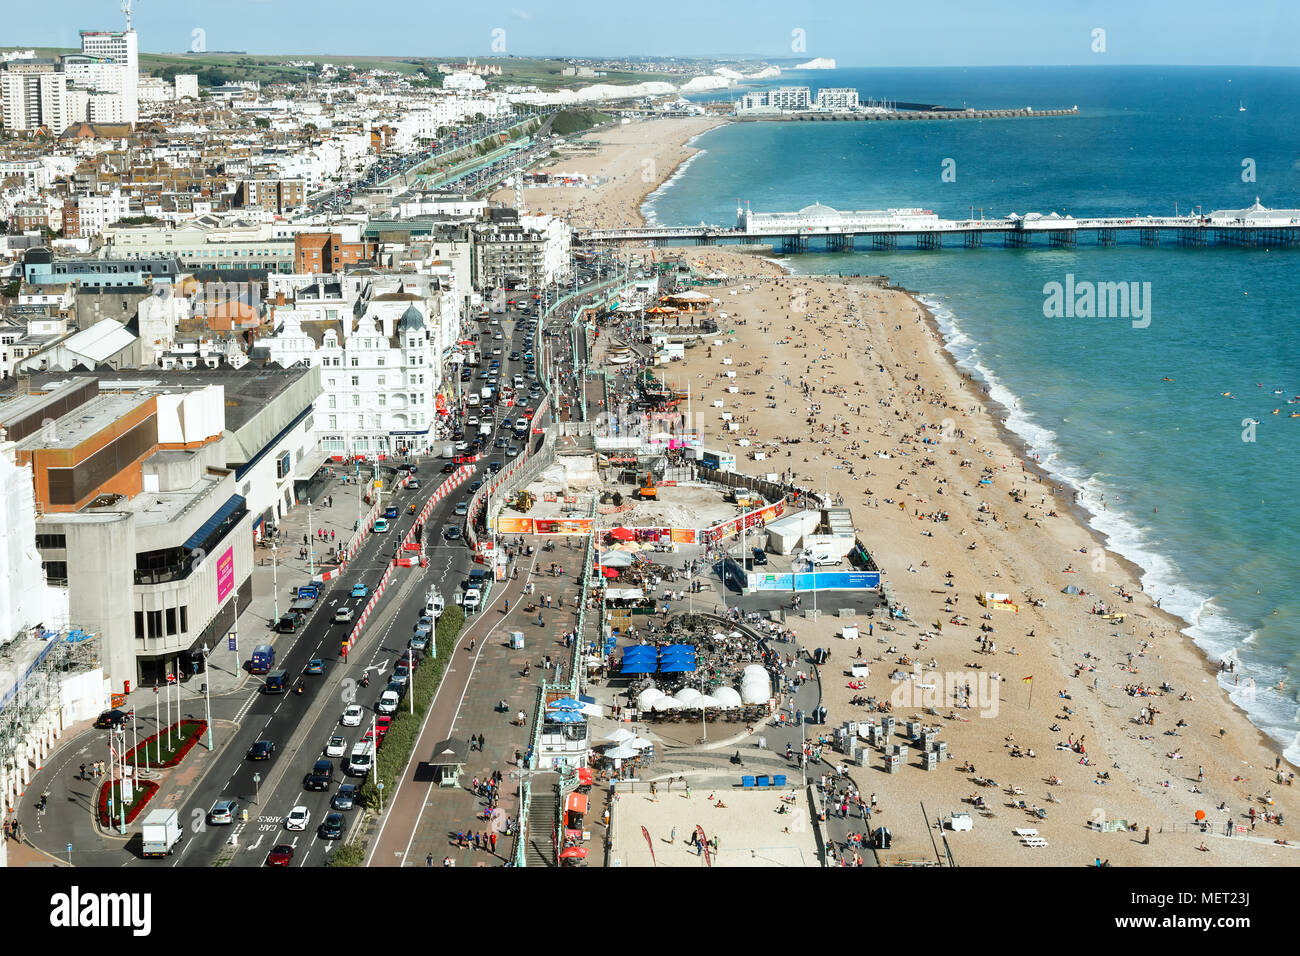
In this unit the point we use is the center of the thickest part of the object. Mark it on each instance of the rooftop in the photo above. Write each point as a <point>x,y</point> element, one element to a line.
<point>86,421</point>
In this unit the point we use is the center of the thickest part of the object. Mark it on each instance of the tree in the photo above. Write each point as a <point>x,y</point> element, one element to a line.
<point>262,122</point>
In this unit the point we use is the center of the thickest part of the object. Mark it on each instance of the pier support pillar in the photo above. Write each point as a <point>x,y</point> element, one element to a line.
<point>1105,237</point>
<point>1062,238</point>
<point>885,240</point>
<point>1015,239</point>
<point>973,240</point>
<point>1149,236</point>
<point>929,240</point>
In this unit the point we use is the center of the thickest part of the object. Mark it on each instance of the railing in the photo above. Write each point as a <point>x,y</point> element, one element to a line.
<point>521,831</point>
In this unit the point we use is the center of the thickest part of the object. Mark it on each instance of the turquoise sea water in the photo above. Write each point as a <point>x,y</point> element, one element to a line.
<point>1223,547</point>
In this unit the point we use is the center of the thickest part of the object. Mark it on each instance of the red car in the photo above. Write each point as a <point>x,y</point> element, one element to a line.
<point>280,855</point>
<point>380,730</point>
<point>529,412</point>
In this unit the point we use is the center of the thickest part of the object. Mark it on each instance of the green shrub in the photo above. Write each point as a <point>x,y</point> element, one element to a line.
<point>349,854</point>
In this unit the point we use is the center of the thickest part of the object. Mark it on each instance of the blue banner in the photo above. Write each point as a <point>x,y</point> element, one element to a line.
<point>825,581</point>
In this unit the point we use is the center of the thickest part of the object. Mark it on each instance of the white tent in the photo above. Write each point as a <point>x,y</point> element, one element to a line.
<point>645,700</point>
<point>621,734</point>
<point>726,697</point>
<point>616,559</point>
<point>666,703</point>
<point>703,701</point>
<point>688,694</point>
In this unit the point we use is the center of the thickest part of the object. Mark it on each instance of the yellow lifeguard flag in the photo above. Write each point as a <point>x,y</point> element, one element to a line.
<point>1027,680</point>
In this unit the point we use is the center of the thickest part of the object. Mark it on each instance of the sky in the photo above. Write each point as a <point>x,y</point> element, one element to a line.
<point>854,32</point>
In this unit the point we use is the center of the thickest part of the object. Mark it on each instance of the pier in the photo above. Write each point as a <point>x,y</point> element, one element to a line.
<point>886,116</point>
<point>821,227</point>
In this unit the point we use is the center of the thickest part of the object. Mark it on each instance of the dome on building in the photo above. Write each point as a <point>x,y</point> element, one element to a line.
<point>817,209</point>
<point>411,320</point>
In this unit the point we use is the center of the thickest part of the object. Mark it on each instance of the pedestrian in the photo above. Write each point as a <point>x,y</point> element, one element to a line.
<point>493,838</point>
<point>428,860</point>
<point>480,743</point>
<point>82,775</point>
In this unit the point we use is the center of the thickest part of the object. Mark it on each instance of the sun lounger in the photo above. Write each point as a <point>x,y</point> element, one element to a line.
<point>1025,832</point>
<point>1035,842</point>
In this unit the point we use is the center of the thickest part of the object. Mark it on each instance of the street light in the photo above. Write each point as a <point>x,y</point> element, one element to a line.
<point>257,787</point>
<point>275,580</point>
<point>207,696</point>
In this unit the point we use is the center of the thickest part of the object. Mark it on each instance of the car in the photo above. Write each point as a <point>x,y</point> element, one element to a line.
<point>298,819</point>
<point>760,556</point>
<point>390,512</point>
<point>420,642</point>
<point>475,485</point>
<point>452,532</point>
<point>414,484</point>
<point>501,442</point>
<point>315,666</point>
<point>336,746</point>
<point>261,750</point>
<point>331,828</point>
<point>512,450</point>
<point>223,812</point>
<point>381,526</point>
<point>281,855</point>
<point>528,356</point>
<point>462,507</point>
<point>320,776</point>
<point>351,716</point>
<point>111,719</point>
<point>462,446</point>
<point>514,356</point>
<point>401,674</point>
<point>388,702</point>
<point>448,468</point>
<point>343,615</point>
<point>346,796</point>
<point>472,421</point>
<point>360,590</point>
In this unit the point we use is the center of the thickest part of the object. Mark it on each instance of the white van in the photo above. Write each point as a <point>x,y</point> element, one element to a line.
<point>433,604</point>
<point>471,600</point>
<point>820,558</point>
<point>518,381</point>
<point>388,702</point>
<point>471,400</point>
<point>363,756</point>
<point>485,429</point>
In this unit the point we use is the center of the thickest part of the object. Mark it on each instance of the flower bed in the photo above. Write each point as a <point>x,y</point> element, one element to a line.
<point>185,734</point>
<point>144,791</point>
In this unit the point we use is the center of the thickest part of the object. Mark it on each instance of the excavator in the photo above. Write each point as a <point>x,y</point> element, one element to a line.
<point>648,491</point>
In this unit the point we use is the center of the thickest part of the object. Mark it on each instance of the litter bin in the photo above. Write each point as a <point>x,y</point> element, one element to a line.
<point>821,715</point>
<point>762,743</point>
<point>517,640</point>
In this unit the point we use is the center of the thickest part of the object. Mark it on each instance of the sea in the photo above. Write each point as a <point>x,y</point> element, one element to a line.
<point>1154,425</point>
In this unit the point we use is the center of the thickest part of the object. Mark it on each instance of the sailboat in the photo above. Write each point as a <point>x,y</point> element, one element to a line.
<point>1240,107</point>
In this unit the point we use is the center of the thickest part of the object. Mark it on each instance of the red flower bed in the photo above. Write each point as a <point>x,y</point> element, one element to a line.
<point>185,734</point>
<point>144,791</point>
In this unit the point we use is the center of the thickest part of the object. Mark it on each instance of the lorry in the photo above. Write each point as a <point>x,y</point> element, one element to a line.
<point>717,460</point>
<point>160,833</point>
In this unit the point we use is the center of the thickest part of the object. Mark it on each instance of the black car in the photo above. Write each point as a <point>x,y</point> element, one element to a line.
<point>475,485</point>
<point>451,532</point>
<point>448,468</point>
<point>321,776</point>
<point>331,828</point>
<point>345,797</point>
<point>760,556</point>
<point>261,750</point>
<point>494,466</point>
<point>111,719</point>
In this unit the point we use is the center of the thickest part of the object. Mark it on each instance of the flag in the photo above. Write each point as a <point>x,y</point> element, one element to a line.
<point>646,833</point>
<point>704,843</point>
<point>171,678</point>
<point>1027,680</point>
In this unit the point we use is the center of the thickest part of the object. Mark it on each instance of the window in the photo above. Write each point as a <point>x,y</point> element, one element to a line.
<point>155,623</point>
<point>381,361</point>
<point>356,380</point>
<point>51,541</point>
<point>171,621</point>
<point>333,401</point>
<point>383,380</point>
<point>383,401</point>
<point>56,572</point>
<point>355,361</point>
<point>334,421</point>
<point>185,619</point>
<point>139,625</point>
<point>356,400</point>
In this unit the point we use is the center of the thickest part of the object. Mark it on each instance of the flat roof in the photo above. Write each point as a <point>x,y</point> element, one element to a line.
<point>83,422</point>
<point>248,389</point>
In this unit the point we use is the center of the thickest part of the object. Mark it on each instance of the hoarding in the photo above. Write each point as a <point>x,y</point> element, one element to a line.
<point>225,574</point>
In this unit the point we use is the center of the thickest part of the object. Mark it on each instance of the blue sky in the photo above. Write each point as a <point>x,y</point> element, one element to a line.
<point>861,33</point>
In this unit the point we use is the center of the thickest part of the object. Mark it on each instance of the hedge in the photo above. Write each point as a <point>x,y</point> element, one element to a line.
<point>399,742</point>
<point>144,791</point>
<point>184,735</point>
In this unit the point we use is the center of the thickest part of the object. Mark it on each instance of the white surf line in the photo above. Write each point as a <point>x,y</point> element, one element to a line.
<point>460,703</point>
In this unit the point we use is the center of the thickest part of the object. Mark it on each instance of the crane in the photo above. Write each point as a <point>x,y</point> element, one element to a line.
<point>126,8</point>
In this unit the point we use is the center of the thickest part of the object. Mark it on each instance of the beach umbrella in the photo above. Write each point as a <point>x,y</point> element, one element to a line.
<point>667,703</point>
<point>637,665</point>
<point>565,703</point>
<point>639,743</point>
<point>564,717</point>
<point>622,534</point>
<point>616,559</point>
<point>623,733</point>
<point>621,753</point>
<point>573,853</point>
<point>585,776</point>
<point>609,572</point>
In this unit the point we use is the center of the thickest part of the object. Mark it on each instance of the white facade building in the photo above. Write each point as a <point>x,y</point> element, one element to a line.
<point>34,98</point>
<point>186,85</point>
<point>790,98</point>
<point>839,99</point>
<point>380,357</point>
<point>120,48</point>
<point>99,212</point>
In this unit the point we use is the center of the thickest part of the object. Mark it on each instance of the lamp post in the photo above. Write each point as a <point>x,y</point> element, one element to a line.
<point>275,580</point>
<point>311,542</point>
<point>207,696</point>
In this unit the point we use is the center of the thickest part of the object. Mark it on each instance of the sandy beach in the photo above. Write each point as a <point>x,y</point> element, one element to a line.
<point>633,160</point>
<point>1127,722</point>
